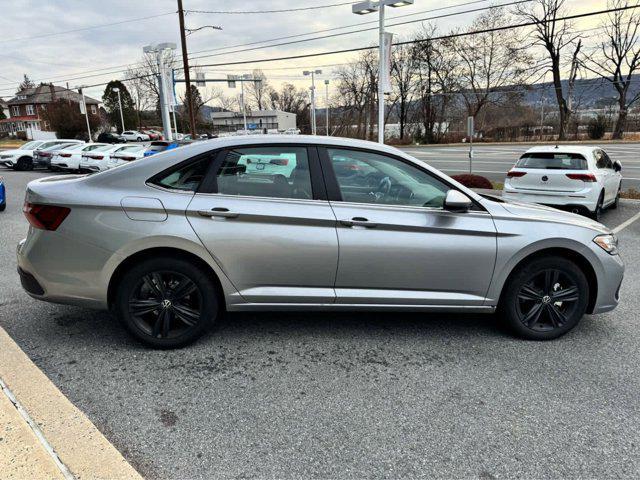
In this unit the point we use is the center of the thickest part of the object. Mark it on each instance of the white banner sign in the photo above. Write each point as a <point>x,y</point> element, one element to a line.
<point>169,88</point>
<point>385,75</point>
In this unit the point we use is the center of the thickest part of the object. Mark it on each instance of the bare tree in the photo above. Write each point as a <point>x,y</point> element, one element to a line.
<point>618,58</point>
<point>555,36</point>
<point>293,100</point>
<point>140,93</point>
<point>490,60</point>
<point>403,77</point>
<point>147,73</point>
<point>258,92</point>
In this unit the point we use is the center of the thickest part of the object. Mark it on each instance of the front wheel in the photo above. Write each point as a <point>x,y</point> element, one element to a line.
<point>139,139</point>
<point>545,298</point>
<point>167,302</point>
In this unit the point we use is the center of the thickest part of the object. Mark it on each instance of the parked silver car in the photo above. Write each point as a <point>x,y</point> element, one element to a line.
<point>170,241</point>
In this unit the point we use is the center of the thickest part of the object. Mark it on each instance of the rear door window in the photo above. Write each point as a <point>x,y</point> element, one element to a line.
<point>279,172</point>
<point>552,161</point>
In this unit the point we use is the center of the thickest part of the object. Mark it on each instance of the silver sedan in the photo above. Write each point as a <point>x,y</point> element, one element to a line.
<point>170,242</point>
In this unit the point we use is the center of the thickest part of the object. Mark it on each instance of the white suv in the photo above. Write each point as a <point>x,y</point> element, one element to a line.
<point>22,156</point>
<point>582,179</point>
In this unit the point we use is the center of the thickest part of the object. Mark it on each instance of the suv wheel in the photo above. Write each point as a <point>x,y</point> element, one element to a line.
<point>616,202</point>
<point>545,298</point>
<point>24,163</point>
<point>166,303</point>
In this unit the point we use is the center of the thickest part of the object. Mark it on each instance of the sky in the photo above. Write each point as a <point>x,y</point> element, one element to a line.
<point>38,38</point>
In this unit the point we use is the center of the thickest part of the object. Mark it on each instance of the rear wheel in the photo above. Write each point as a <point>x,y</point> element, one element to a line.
<point>545,298</point>
<point>166,302</point>
<point>616,202</point>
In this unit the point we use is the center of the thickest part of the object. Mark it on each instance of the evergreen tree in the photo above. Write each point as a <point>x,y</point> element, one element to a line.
<point>111,105</point>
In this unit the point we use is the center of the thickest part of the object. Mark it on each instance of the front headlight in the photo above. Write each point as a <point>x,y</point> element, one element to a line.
<point>609,243</point>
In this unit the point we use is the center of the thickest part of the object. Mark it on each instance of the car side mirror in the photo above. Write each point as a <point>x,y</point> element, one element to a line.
<point>456,201</point>
<point>617,166</point>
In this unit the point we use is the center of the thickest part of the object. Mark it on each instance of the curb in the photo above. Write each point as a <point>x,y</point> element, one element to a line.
<point>62,429</point>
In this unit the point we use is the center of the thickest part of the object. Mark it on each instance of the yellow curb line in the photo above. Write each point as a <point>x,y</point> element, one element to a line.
<point>78,444</point>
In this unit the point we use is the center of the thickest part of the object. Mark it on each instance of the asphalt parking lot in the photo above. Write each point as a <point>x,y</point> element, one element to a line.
<point>377,395</point>
<point>493,161</point>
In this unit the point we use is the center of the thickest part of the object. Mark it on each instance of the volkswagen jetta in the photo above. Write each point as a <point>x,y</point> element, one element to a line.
<point>170,242</point>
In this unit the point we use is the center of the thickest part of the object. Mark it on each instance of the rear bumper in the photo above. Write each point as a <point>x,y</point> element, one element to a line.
<point>580,200</point>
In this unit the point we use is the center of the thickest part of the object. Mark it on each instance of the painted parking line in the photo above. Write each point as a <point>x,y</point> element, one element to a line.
<point>77,443</point>
<point>626,224</point>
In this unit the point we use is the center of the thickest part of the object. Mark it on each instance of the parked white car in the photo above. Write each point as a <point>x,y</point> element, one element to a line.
<point>10,158</point>
<point>135,136</point>
<point>126,154</point>
<point>99,159</point>
<point>581,178</point>
<point>69,158</point>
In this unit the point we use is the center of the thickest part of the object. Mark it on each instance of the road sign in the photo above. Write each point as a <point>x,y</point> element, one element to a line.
<point>470,128</point>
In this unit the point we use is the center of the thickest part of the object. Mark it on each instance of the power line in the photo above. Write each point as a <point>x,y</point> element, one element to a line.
<point>285,10</point>
<point>474,10</point>
<point>83,29</point>
<point>409,42</point>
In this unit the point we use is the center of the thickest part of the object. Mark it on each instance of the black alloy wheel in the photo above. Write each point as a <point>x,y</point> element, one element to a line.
<point>545,298</point>
<point>167,303</point>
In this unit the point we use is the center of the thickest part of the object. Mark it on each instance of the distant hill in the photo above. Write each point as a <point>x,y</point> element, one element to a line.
<point>588,93</point>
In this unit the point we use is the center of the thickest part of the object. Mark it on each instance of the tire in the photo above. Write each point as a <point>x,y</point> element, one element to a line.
<point>597,213</point>
<point>175,322</point>
<point>527,304</point>
<point>616,202</point>
<point>24,163</point>
<point>3,207</point>
<point>139,139</point>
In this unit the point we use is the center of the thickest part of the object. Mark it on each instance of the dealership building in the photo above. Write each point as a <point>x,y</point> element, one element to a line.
<point>259,120</point>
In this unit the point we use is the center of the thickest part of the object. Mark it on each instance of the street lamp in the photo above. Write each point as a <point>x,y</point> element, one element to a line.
<point>313,74</point>
<point>117,90</point>
<point>164,107</point>
<point>363,8</point>
<point>326,93</point>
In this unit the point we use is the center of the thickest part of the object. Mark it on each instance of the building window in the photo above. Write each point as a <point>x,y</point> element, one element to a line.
<point>30,110</point>
<point>94,110</point>
<point>45,125</point>
<point>43,107</point>
<point>15,110</point>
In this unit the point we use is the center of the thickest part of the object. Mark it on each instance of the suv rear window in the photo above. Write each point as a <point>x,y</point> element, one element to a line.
<point>552,161</point>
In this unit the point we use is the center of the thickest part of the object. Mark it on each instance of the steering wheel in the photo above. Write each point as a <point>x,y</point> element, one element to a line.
<point>384,187</point>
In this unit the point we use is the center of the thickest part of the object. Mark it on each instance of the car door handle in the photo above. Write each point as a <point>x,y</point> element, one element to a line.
<point>218,212</point>
<point>358,222</point>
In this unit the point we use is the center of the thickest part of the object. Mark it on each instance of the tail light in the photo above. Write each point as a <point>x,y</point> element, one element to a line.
<point>45,154</point>
<point>585,177</point>
<point>96,157</point>
<point>127,158</point>
<point>65,155</point>
<point>515,174</point>
<point>279,161</point>
<point>45,217</point>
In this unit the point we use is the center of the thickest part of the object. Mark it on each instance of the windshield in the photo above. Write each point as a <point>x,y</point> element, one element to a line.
<point>552,161</point>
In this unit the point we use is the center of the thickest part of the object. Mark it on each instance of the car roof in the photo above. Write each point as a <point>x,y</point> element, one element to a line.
<point>585,150</point>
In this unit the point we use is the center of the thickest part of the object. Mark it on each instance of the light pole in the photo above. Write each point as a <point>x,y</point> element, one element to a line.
<point>164,107</point>
<point>313,74</point>
<point>326,96</point>
<point>364,8</point>
<point>117,90</point>
<point>246,76</point>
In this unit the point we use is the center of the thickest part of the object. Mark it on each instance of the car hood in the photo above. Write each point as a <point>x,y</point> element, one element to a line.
<point>16,151</point>
<point>549,214</point>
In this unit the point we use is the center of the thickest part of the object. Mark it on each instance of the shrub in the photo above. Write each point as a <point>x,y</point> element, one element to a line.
<point>597,127</point>
<point>473,181</point>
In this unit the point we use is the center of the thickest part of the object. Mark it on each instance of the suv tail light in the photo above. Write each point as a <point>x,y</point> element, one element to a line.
<point>45,217</point>
<point>585,177</point>
<point>128,158</point>
<point>516,174</point>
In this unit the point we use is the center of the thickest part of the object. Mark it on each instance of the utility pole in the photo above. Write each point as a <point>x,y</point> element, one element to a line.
<point>326,94</point>
<point>117,90</point>
<point>185,64</point>
<point>541,117</point>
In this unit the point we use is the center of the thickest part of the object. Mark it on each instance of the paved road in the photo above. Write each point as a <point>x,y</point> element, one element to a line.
<point>381,395</point>
<point>493,161</point>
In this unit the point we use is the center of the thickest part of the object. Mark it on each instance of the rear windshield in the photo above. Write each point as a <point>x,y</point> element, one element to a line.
<point>552,161</point>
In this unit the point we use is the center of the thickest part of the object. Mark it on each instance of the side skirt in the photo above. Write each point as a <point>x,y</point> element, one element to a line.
<point>243,307</point>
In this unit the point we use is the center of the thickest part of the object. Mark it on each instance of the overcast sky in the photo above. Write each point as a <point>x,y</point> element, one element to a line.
<point>31,42</point>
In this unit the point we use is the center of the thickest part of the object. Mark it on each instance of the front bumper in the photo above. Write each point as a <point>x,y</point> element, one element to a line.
<point>609,282</point>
